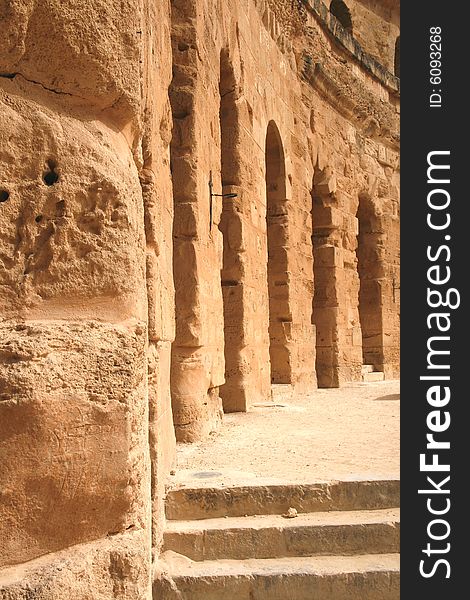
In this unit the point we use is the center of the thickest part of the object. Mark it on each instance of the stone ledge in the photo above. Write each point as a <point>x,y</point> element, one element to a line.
<point>373,118</point>
<point>319,10</point>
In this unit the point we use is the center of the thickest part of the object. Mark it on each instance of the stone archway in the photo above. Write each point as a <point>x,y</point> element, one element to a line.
<point>396,62</point>
<point>325,306</point>
<point>232,392</point>
<point>278,279</point>
<point>339,9</point>
<point>370,270</point>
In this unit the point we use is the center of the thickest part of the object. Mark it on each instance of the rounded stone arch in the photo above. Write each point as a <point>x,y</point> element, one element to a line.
<point>229,120</point>
<point>277,265</point>
<point>340,10</point>
<point>396,61</point>
<point>232,392</point>
<point>275,163</point>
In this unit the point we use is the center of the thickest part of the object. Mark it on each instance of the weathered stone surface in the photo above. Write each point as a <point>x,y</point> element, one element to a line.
<point>220,501</point>
<point>299,157</point>
<point>87,50</point>
<point>134,303</point>
<point>330,533</point>
<point>369,577</point>
<point>72,223</point>
<point>115,567</point>
<point>87,310</point>
<point>240,525</point>
<point>72,432</point>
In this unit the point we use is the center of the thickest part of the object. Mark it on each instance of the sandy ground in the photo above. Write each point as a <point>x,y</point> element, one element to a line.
<point>331,434</point>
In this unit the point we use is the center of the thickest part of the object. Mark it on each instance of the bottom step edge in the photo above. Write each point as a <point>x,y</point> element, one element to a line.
<point>365,577</point>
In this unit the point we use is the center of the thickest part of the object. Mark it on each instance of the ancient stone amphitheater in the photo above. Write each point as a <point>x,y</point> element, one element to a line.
<point>198,199</point>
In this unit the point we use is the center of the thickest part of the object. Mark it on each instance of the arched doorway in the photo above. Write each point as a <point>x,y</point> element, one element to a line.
<point>325,304</point>
<point>370,270</point>
<point>340,10</point>
<point>276,223</point>
<point>232,392</point>
<point>397,57</point>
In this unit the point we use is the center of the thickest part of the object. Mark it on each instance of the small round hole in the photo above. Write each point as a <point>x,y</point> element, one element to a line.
<point>38,219</point>
<point>4,195</point>
<point>50,177</point>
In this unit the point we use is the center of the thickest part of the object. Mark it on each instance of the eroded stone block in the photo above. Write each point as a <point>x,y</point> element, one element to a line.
<point>72,434</point>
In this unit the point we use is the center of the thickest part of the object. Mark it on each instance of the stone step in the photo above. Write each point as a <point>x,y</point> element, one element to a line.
<point>271,536</point>
<point>367,369</point>
<point>371,377</point>
<point>217,500</point>
<point>363,577</point>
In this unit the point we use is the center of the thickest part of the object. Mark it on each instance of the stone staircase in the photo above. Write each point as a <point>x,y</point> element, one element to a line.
<point>370,375</point>
<point>233,542</point>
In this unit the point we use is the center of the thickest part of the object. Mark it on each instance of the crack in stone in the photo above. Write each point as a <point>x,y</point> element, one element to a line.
<point>54,91</point>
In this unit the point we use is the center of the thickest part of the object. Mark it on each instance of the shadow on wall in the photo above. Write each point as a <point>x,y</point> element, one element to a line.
<point>276,224</point>
<point>397,57</point>
<point>232,392</point>
<point>370,271</point>
<point>339,9</point>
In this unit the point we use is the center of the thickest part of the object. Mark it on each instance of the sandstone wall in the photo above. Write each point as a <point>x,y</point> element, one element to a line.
<point>337,131</point>
<point>131,297</point>
<point>257,95</point>
<point>355,122</point>
<point>86,295</point>
<point>376,26</point>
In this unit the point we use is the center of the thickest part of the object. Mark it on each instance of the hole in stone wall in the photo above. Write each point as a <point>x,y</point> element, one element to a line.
<point>51,177</point>
<point>397,57</point>
<point>38,219</point>
<point>339,9</point>
<point>4,195</point>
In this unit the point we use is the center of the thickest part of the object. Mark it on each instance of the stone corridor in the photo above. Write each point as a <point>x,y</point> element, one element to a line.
<point>199,200</point>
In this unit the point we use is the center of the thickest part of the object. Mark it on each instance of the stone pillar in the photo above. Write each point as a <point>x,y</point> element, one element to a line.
<point>77,245</point>
<point>155,179</point>
<point>197,367</point>
<point>336,285</point>
<point>300,258</point>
